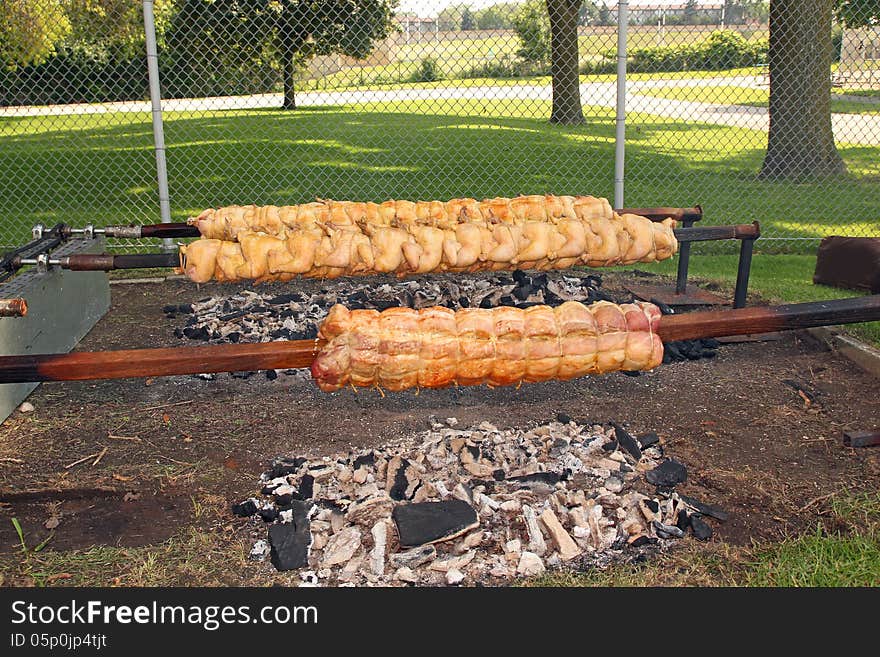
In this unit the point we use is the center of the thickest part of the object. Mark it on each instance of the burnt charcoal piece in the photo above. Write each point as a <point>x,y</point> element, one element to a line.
<point>507,300</point>
<point>306,487</point>
<point>683,520</point>
<point>464,302</point>
<point>667,531</point>
<point>564,418</point>
<point>643,540</point>
<point>672,350</point>
<point>549,478</point>
<point>233,315</point>
<point>364,459</point>
<point>648,439</point>
<point>283,500</point>
<point>610,446</point>
<point>178,333</point>
<point>474,451</point>
<point>244,509</point>
<point>523,292</point>
<point>285,466</point>
<point>486,302</point>
<point>243,375</point>
<point>200,333</point>
<point>519,276</point>
<point>381,304</point>
<point>268,515</point>
<point>702,531</point>
<point>290,541</point>
<point>667,474</point>
<point>654,505</point>
<point>431,522</point>
<point>630,374</point>
<point>398,489</point>
<point>235,336</point>
<point>271,375</point>
<point>627,441</point>
<point>706,509</point>
<point>487,484</point>
<point>185,308</point>
<point>169,310</point>
<point>498,475</point>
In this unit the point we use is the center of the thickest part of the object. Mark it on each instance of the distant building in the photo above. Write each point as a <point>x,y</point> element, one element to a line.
<point>410,24</point>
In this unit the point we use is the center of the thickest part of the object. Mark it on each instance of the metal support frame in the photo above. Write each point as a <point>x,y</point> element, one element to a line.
<point>746,248</point>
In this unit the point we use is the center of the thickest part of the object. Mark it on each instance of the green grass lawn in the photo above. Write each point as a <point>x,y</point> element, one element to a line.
<point>100,167</point>
<point>733,95</point>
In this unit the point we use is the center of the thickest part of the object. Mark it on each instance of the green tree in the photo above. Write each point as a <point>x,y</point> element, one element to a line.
<point>29,31</point>
<point>604,17</point>
<point>588,14</point>
<point>497,17</point>
<point>113,27</point>
<point>690,12</point>
<point>857,13</point>
<point>532,26</point>
<point>566,107</point>
<point>800,142</point>
<point>307,28</point>
<point>468,22</point>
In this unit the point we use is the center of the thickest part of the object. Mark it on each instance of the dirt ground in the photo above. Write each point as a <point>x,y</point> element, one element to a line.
<point>768,454</point>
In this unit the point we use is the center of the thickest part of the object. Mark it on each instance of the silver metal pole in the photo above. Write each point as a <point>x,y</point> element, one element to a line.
<point>158,130</point>
<point>620,128</point>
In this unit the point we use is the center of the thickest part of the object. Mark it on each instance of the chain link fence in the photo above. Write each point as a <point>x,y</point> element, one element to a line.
<point>282,101</point>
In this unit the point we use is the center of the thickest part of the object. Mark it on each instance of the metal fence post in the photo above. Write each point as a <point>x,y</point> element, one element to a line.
<point>620,128</point>
<point>158,130</point>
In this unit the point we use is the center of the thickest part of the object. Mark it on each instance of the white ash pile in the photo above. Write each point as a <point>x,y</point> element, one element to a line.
<point>479,505</point>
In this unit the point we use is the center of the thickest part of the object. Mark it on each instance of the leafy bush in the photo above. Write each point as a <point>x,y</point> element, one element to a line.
<point>506,67</point>
<point>721,50</point>
<point>428,71</point>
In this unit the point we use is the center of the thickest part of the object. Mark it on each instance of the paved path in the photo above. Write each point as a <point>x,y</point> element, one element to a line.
<point>859,129</point>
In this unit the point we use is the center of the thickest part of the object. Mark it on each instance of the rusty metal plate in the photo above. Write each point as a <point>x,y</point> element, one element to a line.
<point>693,296</point>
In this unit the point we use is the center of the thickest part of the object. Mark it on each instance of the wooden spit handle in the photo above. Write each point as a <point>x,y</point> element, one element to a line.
<point>128,363</point>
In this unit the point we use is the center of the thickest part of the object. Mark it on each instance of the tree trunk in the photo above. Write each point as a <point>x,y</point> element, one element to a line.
<point>800,142</point>
<point>289,88</point>
<point>287,38</point>
<point>564,62</point>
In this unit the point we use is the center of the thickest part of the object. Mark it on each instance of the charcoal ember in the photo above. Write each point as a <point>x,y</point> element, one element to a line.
<point>306,487</point>
<point>549,478</point>
<point>648,439</point>
<point>683,520</point>
<point>367,459</point>
<point>245,509</point>
<point>627,441</point>
<point>243,375</point>
<point>668,474</point>
<point>197,333</point>
<point>285,466</point>
<point>432,522</point>
<point>563,418</point>
<point>702,531</point>
<point>706,509</point>
<point>268,514</point>
<point>289,541</point>
<point>667,531</point>
<point>271,374</point>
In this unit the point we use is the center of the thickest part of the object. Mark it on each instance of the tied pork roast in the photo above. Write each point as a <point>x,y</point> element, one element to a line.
<point>402,348</point>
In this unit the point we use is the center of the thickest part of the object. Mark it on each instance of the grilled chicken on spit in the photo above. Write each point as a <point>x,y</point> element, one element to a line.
<point>402,348</point>
<point>330,239</point>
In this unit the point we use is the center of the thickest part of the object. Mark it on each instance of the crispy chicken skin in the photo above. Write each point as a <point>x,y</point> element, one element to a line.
<point>402,348</point>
